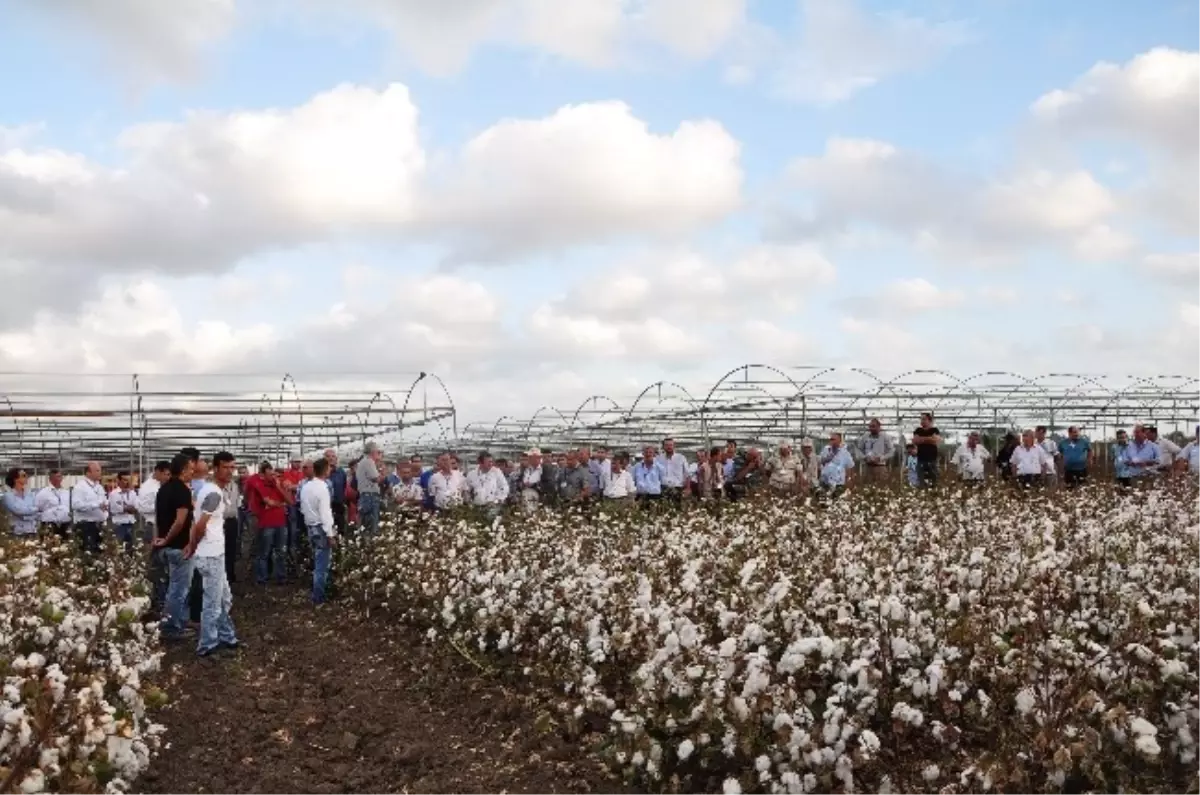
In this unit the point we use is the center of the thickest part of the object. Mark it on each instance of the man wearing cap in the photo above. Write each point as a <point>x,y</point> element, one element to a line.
<point>783,473</point>
<point>369,478</point>
<point>1189,456</point>
<point>810,465</point>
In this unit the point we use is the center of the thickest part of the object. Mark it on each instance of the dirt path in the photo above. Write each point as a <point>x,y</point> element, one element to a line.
<point>322,701</point>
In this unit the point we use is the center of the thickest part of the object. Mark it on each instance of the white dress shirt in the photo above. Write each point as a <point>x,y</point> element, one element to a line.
<point>620,484</point>
<point>675,470</point>
<point>54,505</point>
<point>316,506</point>
<point>970,461</point>
<point>1051,448</point>
<point>1167,451</point>
<point>88,501</point>
<point>487,488</point>
<point>118,501</point>
<point>146,496</point>
<point>446,489</point>
<point>1030,460</point>
<point>408,492</point>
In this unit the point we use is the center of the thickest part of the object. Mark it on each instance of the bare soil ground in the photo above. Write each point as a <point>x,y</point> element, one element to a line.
<point>327,701</point>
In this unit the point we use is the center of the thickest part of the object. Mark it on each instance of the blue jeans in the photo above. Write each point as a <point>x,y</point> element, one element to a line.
<point>368,513</point>
<point>272,542</point>
<point>216,627</point>
<point>124,534</point>
<point>322,557</point>
<point>180,582</point>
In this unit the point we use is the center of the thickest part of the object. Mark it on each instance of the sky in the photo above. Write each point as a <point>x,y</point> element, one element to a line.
<point>542,201</point>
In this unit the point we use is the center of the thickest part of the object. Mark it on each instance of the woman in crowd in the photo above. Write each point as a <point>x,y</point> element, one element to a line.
<point>20,504</point>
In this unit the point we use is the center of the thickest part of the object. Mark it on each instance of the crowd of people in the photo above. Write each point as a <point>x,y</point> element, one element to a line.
<point>194,512</point>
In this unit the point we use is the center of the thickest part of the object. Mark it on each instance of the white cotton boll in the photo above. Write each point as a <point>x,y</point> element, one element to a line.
<point>727,648</point>
<point>931,773</point>
<point>685,749</point>
<point>35,781</point>
<point>1142,727</point>
<point>869,741</point>
<point>1145,609</point>
<point>688,637</point>
<point>731,787</point>
<point>1147,746</point>
<point>741,708</point>
<point>953,603</point>
<point>762,764</point>
<point>1026,701</point>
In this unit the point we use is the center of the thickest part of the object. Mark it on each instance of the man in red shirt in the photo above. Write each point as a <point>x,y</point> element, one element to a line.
<point>269,501</point>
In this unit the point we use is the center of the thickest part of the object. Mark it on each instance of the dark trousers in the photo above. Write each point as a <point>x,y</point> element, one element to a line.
<point>339,516</point>
<point>1029,481</point>
<point>196,597</point>
<point>89,537</point>
<point>1074,477</point>
<point>673,495</point>
<point>1124,482</point>
<point>927,473</point>
<point>233,537</point>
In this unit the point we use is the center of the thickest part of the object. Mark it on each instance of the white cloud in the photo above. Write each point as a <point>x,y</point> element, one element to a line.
<point>919,295</point>
<point>843,50</point>
<point>998,294</point>
<point>686,286</point>
<point>146,40</point>
<point>586,172</point>
<point>954,215</point>
<point>441,38</point>
<point>132,327</point>
<point>202,193</point>
<point>1152,101</point>
<point>774,344</point>
<point>1180,269</point>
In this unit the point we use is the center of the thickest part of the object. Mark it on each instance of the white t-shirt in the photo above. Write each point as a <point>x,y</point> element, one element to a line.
<point>970,462</point>
<point>487,488</point>
<point>446,489</point>
<point>1051,448</point>
<point>1029,460</point>
<point>210,502</point>
<point>620,484</point>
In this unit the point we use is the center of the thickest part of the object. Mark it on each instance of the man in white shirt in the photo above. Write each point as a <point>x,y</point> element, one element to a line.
<point>620,488</point>
<point>316,509</point>
<point>54,506</point>
<point>122,507</point>
<point>970,459</point>
<point>487,485</point>
<point>148,493</point>
<point>674,472</point>
<point>1029,461</point>
<point>89,505</point>
<point>207,548</point>
<point>1167,450</point>
<point>1050,463</point>
<point>446,485</point>
<point>408,491</point>
<point>1189,456</point>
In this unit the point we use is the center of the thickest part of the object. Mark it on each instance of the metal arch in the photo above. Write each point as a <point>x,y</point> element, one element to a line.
<point>449,399</point>
<point>496,427</point>
<point>1004,400</point>
<point>660,384</point>
<point>592,399</point>
<point>746,369</point>
<point>566,423</point>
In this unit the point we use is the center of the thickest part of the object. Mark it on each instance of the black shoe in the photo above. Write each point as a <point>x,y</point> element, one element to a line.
<point>235,647</point>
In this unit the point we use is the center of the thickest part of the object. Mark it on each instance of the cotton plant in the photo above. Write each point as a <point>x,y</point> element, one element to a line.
<point>75,662</point>
<point>950,641</point>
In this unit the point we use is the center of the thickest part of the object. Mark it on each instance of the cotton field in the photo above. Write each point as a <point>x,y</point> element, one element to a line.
<point>944,641</point>
<point>73,657</point>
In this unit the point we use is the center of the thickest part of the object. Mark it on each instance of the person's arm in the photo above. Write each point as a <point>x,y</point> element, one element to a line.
<point>503,490</point>
<point>18,506</point>
<point>325,509</point>
<point>207,509</point>
<point>181,515</point>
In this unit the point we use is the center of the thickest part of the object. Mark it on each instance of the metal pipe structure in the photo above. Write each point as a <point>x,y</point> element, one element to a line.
<point>59,420</point>
<point>68,421</point>
<point>758,404</point>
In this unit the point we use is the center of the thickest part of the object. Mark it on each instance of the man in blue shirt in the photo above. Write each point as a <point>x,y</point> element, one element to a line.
<point>1141,456</point>
<point>647,478</point>
<point>426,474</point>
<point>836,465</point>
<point>1076,454</point>
<point>1121,470</point>
<point>336,480</point>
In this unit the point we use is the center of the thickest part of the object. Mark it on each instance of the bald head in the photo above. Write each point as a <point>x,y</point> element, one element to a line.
<point>92,470</point>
